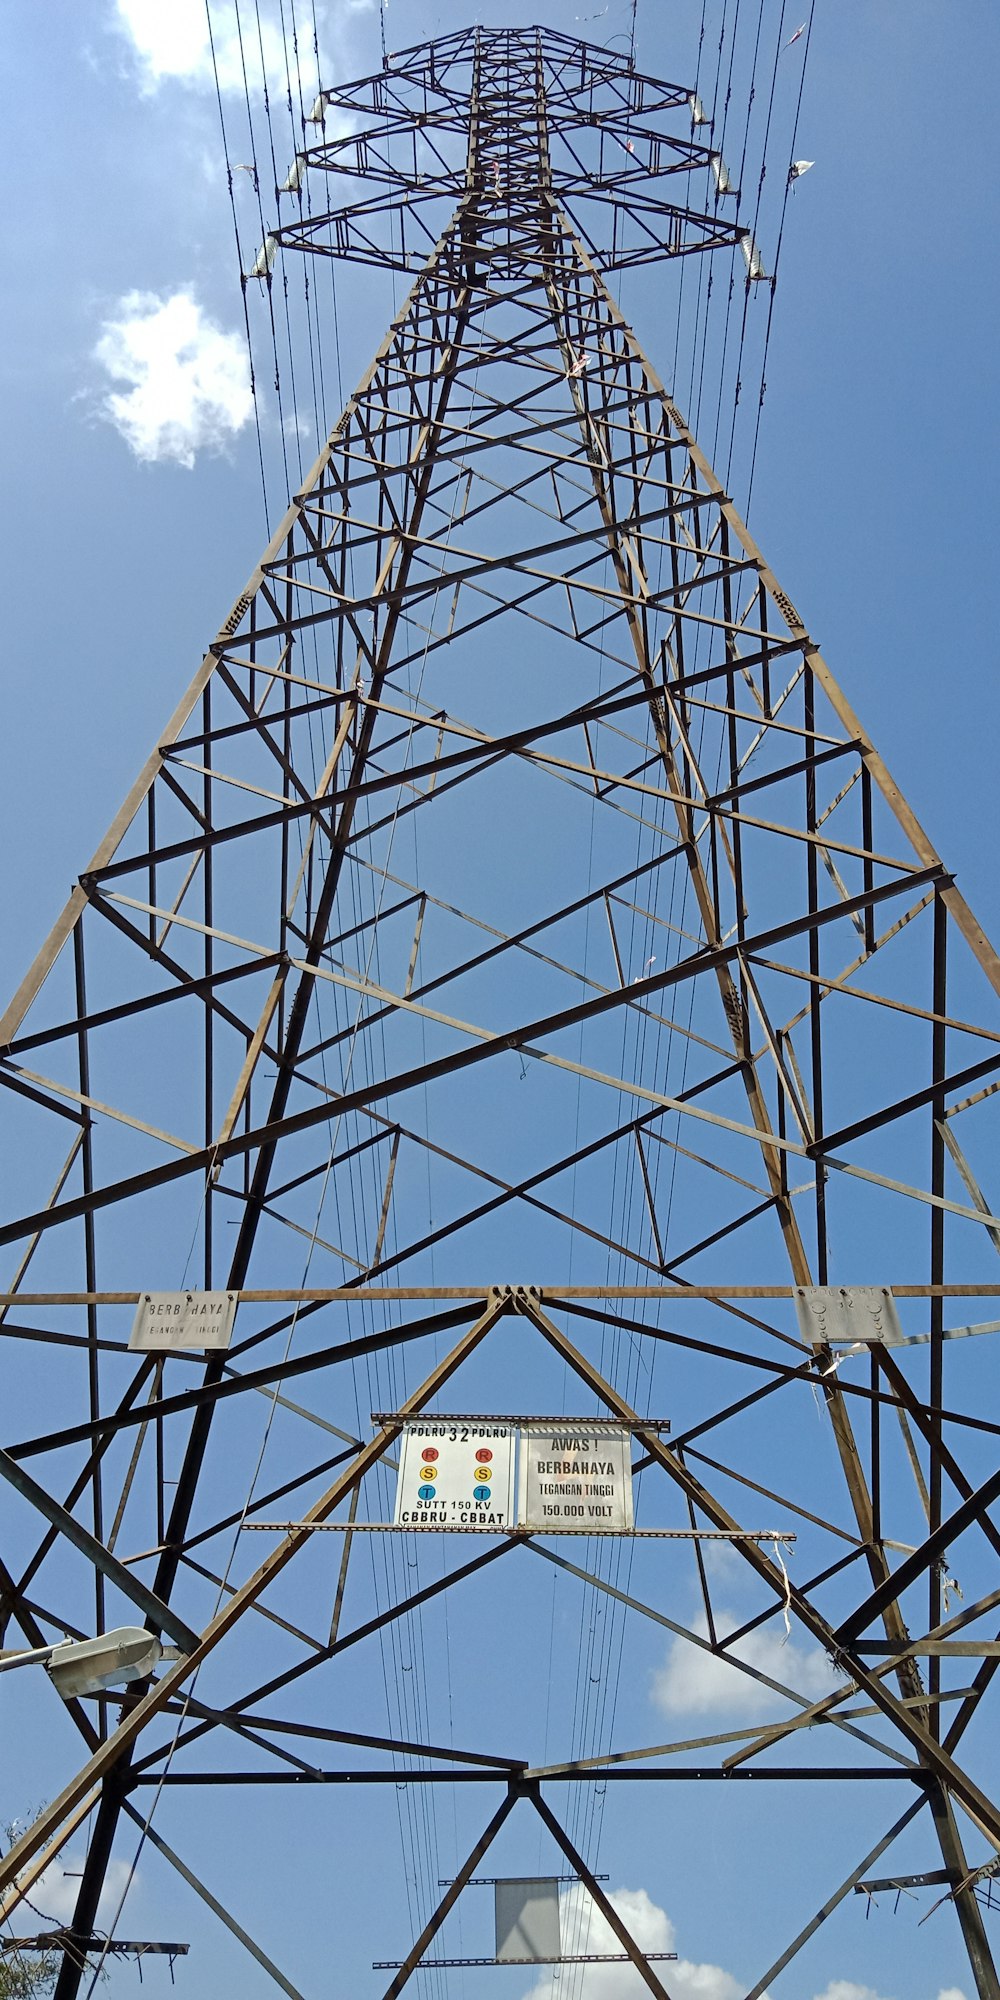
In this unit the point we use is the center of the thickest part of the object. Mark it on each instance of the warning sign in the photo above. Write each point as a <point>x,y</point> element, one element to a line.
<point>456,1475</point>
<point>575,1478</point>
<point>172,1322</point>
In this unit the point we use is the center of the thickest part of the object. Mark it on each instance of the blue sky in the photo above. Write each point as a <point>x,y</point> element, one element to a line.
<point>129,528</point>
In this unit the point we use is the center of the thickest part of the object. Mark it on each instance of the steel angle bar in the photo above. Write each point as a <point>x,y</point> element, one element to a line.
<point>696,1639</point>
<point>918,1413</point>
<point>233,1384</point>
<point>104,1563</point>
<point>639,1958</point>
<point>564,1958</point>
<point>682,1443</point>
<point>758,1991</point>
<point>929,1877</point>
<point>923,848</point>
<point>314,1296</point>
<point>933,1756</point>
<point>266,1138</point>
<point>291,1675</point>
<point>451,1896</point>
<point>321,1733</point>
<point>24,1882</point>
<point>130,1727</point>
<point>217,1908</point>
<point>897,1653</point>
<point>776,1535</point>
<point>971,1512</point>
<point>74,909</point>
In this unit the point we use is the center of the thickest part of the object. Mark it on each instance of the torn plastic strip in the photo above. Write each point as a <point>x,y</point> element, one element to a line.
<point>295,176</point>
<point>921,1339</point>
<point>699,115</point>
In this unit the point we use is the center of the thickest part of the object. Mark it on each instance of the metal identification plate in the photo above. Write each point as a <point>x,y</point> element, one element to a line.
<point>456,1475</point>
<point>174,1322</point>
<point>575,1478</point>
<point>845,1314</point>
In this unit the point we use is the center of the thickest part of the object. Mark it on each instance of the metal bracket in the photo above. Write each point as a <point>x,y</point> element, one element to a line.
<point>847,1315</point>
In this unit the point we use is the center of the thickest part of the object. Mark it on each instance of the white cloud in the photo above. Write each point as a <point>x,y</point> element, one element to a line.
<point>171,45</point>
<point>55,1892</point>
<point>169,41</point>
<point>848,1989</point>
<point>189,382</point>
<point>584,1929</point>
<point>693,1682</point>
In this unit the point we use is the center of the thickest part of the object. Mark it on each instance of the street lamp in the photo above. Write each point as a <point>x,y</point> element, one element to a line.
<point>88,1666</point>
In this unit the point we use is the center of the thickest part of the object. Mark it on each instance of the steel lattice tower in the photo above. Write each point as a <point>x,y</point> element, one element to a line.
<point>512,830</point>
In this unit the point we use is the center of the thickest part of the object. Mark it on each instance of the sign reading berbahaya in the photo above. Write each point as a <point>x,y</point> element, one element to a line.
<point>576,1478</point>
<point>175,1322</point>
<point>456,1475</point>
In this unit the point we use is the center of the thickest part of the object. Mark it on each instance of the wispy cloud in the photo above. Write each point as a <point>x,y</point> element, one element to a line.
<point>186,381</point>
<point>692,1682</point>
<point>171,44</point>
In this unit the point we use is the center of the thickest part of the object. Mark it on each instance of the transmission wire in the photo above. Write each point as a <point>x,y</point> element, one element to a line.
<point>239,266</point>
<point>777,253</point>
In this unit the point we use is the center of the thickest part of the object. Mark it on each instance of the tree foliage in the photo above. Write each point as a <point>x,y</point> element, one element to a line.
<point>25,1975</point>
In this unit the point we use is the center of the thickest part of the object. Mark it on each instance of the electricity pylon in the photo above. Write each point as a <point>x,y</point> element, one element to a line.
<point>514,934</point>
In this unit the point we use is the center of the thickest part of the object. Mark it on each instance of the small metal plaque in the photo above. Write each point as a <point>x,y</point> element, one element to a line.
<point>175,1322</point>
<point>847,1315</point>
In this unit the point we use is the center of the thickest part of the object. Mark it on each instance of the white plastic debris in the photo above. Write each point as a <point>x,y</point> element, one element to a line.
<point>294,178</point>
<point>263,263</point>
<point>580,366</point>
<point>721,172</point>
<point>699,115</point>
<point>798,168</point>
<point>317,115</point>
<point>755,268</point>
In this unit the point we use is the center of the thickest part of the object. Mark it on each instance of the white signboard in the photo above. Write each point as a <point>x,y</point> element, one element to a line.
<point>577,1478</point>
<point>456,1475</point>
<point>174,1322</point>
<point>527,1920</point>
